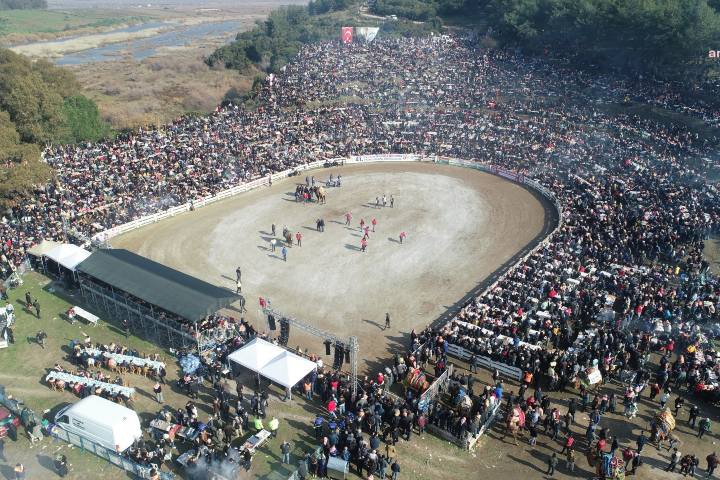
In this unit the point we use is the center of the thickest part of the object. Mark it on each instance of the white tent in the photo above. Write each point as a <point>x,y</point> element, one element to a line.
<point>288,369</point>
<point>67,255</point>
<point>272,362</point>
<point>256,354</point>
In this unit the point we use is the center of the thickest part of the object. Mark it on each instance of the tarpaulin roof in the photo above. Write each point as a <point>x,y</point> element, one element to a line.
<point>167,288</point>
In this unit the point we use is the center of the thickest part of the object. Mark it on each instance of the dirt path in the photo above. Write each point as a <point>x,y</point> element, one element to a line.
<point>712,253</point>
<point>461,225</point>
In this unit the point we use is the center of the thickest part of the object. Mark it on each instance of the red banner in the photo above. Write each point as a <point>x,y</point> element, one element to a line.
<point>347,34</point>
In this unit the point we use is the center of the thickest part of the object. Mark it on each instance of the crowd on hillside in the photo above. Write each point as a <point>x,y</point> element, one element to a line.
<point>636,204</point>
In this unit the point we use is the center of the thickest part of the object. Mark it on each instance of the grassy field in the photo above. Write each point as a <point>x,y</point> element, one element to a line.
<point>25,363</point>
<point>25,22</point>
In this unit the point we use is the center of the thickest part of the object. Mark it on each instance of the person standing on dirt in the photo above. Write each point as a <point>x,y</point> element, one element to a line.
<point>348,218</point>
<point>392,201</point>
<point>238,287</point>
<point>238,272</point>
<point>284,253</point>
<point>363,245</point>
<point>374,222</point>
<point>362,224</point>
<point>402,237</point>
<point>387,320</point>
<point>298,237</point>
<point>36,305</point>
<point>272,229</point>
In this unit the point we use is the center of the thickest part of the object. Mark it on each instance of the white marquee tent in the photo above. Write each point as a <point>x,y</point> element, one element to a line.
<point>272,362</point>
<point>288,369</point>
<point>67,255</point>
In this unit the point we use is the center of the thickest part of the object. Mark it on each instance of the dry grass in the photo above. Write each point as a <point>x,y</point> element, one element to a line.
<point>158,89</point>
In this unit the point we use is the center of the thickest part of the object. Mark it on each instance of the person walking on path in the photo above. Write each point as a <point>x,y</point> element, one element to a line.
<point>374,222</point>
<point>348,218</point>
<point>258,424</point>
<point>402,237</point>
<point>704,427</point>
<point>664,398</point>
<point>552,463</point>
<point>641,441</point>
<point>712,461</point>
<point>395,469</point>
<point>285,450</point>
<point>284,253</point>
<point>674,459</point>
<point>298,237</point>
<point>158,393</point>
<point>19,471</point>
<point>570,460</point>
<point>36,304</point>
<point>273,425</point>
<point>692,418</point>
<point>387,320</point>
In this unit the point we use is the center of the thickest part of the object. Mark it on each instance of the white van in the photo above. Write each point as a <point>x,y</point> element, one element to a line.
<point>101,421</point>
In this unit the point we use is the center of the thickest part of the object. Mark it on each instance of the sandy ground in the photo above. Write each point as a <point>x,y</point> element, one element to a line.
<point>461,225</point>
<point>712,253</point>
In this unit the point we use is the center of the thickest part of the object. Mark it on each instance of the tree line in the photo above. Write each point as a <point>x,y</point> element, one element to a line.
<point>668,39</point>
<point>40,104</point>
<point>22,4</point>
<point>274,42</point>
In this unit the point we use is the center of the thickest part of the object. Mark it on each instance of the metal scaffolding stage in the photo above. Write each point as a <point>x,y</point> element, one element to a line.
<point>350,344</point>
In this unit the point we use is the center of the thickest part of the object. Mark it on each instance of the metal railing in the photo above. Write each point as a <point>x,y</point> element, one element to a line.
<point>141,471</point>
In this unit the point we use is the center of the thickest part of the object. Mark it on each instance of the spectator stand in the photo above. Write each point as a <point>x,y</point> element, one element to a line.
<point>173,308</point>
<point>116,459</point>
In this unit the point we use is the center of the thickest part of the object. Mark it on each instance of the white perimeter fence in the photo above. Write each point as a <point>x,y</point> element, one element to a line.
<point>267,180</point>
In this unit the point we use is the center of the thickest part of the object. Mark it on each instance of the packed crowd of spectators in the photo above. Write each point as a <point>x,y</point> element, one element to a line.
<point>636,206</point>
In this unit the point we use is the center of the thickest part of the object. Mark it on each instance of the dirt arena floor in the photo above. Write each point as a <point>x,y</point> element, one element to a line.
<point>461,226</point>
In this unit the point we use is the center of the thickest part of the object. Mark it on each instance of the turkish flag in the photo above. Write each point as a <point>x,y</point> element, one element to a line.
<point>347,34</point>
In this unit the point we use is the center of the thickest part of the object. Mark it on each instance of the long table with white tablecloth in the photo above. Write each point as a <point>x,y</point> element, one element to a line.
<point>109,387</point>
<point>126,359</point>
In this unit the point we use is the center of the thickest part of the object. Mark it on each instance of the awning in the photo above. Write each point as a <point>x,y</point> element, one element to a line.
<point>67,255</point>
<point>43,247</point>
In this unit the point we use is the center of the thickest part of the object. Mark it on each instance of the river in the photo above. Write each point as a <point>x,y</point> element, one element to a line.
<point>177,36</point>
